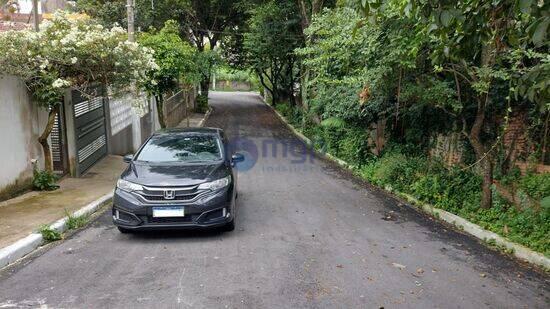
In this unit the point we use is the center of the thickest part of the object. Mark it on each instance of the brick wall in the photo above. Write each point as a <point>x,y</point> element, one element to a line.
<point>515,139</point>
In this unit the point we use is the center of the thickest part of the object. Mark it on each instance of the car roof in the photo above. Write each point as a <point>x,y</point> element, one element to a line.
<point>201,130</point>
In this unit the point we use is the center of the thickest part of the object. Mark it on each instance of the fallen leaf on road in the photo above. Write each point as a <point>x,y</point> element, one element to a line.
<point>482,275</point>
<point>420,271</point>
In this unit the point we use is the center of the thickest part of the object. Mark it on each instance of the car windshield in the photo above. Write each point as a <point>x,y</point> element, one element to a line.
<point>173,147</point>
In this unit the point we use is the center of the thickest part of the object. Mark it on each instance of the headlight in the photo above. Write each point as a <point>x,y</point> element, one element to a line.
<point>216,184</point>
<point>128,186</point>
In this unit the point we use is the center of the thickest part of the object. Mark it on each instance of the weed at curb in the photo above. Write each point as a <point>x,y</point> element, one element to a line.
<point>491,243</point>
<point>49,234</point>
<point>75,222</point>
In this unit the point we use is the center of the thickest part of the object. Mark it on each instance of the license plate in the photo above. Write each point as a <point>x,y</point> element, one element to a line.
<point>168,212</point>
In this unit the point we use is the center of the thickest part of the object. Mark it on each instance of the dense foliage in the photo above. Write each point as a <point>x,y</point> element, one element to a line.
<point>273,34</point>
<point>200,23</point>
<point>176,60</point>
<point>150,14</point>
<point>387,77</point>
<point>230,74</point>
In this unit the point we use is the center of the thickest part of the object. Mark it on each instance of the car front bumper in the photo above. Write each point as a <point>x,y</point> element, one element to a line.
<point>132,213</point>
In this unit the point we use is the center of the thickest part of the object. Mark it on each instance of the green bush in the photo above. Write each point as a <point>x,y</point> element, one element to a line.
<point>296,117</point>
<point>44,181</point>
<point>396,170</point>
<point>536,186</point>
<point>354,147</point>
<point>284,109</point>
<point>527,227</point>
<point>334,130</point>
<point>202,104</point>
<point>453,190</point>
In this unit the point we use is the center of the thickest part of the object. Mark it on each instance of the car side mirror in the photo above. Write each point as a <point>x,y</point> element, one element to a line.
<point>128,158</point>
<point>237,157</point>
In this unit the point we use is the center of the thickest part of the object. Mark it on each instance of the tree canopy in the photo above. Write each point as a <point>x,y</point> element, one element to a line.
<point>176,60</point>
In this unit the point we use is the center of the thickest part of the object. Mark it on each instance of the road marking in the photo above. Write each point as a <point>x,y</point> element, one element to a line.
<point>180,289</point>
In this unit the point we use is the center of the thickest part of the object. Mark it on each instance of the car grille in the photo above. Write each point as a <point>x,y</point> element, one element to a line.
<point>176,198</point>
<point>156,194</point>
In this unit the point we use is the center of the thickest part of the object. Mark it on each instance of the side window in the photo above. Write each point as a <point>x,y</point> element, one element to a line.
<point>226,146</point>
<point>224,138</point>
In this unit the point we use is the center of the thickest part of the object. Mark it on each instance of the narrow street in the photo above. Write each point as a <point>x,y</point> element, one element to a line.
<point>309,235</point>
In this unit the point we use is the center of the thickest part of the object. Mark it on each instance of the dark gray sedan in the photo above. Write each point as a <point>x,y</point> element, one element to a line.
<point>179,178</point>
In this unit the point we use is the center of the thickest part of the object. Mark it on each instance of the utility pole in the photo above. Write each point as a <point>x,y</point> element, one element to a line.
<point>35,15</point>
<point>130,11</point>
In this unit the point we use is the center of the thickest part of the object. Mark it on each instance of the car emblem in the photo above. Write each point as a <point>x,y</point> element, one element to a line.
<point>169,194</point>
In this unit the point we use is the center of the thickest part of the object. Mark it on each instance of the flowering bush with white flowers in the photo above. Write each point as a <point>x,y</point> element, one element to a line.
<point>72,53</point>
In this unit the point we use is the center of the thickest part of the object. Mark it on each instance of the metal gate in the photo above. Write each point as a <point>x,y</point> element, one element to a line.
<point>90,131</point>
<point>58,141</point>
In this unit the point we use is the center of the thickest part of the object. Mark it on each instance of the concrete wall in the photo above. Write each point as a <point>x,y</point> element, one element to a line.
<point>231,85</point>
<point>126,128</point>
<point>21,122</point>
<point>121,139</point>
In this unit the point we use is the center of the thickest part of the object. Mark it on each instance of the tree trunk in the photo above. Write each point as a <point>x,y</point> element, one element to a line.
<point>205,85</point>
<point>262,81</point>
<point>482,156</point>
<point>544,139</point>
<point>160,110</point>
<point>43,139</point>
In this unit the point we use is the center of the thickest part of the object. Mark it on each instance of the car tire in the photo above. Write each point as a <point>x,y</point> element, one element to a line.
<point>123,230</point>
<point>230,226</point>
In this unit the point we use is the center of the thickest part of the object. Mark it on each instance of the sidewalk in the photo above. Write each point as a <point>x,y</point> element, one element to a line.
<point>194,120</point>
<point>22,215</point>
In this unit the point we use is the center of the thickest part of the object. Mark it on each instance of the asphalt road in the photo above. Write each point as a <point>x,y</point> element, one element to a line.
<point>308,236</point>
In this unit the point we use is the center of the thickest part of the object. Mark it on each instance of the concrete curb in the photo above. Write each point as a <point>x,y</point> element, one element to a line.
<point>26,245</point>
<point>201,123</point>
<point>519,251</point>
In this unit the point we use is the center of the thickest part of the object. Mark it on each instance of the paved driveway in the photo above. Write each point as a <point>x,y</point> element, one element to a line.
<point>308,235</point>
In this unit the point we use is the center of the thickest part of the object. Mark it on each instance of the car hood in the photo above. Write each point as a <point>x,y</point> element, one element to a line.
<point>154,174</point>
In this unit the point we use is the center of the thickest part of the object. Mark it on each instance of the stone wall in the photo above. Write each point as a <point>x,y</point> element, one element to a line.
<point>448,148</point>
